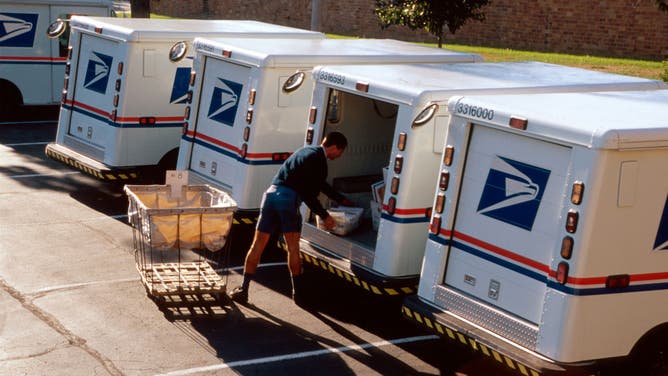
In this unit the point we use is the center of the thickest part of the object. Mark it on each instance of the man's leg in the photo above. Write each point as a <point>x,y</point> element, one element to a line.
<point>260,240</point>
<point>295,265</point>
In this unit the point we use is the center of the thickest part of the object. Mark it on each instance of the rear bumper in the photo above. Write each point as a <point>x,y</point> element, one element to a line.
<point>89,166</point>
<point>448,326</point>
<point>363,277</point>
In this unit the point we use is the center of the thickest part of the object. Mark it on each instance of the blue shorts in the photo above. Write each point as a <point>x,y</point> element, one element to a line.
<point>280,210</point>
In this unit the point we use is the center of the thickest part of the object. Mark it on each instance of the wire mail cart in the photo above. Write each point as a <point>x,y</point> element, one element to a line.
<point>180,234</point>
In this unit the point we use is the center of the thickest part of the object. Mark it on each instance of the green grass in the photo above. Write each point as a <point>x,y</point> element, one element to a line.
<point>655,70</point>
<point>632,67</point>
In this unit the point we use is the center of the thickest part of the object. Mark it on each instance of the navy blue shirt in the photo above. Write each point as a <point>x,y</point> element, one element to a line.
<point>305,171</point>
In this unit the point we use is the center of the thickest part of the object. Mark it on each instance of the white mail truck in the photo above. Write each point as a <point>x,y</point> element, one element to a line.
<point>32,66</point>
<point>548,244</point>
<point>126,86</point>
<point>251,103</point>
<point>396,119</point>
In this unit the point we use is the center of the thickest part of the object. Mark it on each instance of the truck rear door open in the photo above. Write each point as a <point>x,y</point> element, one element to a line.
<point>507,217</point>
<point>222,95</point>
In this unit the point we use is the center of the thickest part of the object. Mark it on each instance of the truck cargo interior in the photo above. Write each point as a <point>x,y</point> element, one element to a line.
<point>369,126</point>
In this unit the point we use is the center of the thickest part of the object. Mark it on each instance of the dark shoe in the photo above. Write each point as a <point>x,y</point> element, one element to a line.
<point>298,290</point>
<point>239,295</point>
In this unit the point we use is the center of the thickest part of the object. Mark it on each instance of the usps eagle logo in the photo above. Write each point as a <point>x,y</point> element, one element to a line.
<point>97,72</point>
<point>180,86</point>
<point>17,29</point>
<point>225,101</point>
<point>661,241</point>
<point>512,192</point>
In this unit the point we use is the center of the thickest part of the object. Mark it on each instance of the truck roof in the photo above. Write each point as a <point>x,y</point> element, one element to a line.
<point>413,83</point>
<point>300,53</point>
<point>601,120</point>
<point>159,29</point>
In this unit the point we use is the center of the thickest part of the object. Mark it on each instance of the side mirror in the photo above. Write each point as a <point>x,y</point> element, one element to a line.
<point>294,82</point>
<point>56,29</point>
<point>178,51</point>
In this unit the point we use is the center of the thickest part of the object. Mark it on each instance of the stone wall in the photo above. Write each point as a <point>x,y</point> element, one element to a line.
<point>625,28</point>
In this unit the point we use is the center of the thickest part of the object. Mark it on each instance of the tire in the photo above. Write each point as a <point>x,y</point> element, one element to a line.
<point>10,97</point>
<point>651,359</point>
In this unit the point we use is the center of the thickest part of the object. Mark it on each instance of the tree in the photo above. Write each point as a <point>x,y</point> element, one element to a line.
<point>140,8</point>
<point>663,5</point>
<point>431,15</point>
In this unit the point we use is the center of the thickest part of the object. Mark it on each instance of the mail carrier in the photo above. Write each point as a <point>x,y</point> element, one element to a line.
<point>548,244</point>
<point>396,120</point>
<point>32,66</point>
<point>251,98</point>
<point>123,100</point>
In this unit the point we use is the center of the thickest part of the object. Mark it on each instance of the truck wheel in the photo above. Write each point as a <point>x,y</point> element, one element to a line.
<point>651,359</point>
<point>156,174</point>
<point>168,161</point>
<point>10,96</point>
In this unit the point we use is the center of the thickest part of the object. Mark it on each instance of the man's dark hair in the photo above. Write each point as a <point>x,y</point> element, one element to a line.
<point>335,138</point>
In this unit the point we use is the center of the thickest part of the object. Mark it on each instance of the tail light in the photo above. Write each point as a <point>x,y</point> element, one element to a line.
<point>435,225</point>
<point>577,192</point>
<point>391,205</point>
<point>448,154</point>
<point>312,115</point>
<point>394,186</point>
<point>401,144</point>
<point>567,247</point>
<point>278,157</point>
<point>444,180</point>
<point>398,164</point>
<point>572,221</point>
<point>518,123</point>
<point>362,86</point>
<point>440,203</point>
<point>562,272</point>
<point>618,281</point>
<point>147,120</point>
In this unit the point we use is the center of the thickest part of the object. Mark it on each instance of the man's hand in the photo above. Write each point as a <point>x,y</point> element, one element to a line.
<point>329,222</point>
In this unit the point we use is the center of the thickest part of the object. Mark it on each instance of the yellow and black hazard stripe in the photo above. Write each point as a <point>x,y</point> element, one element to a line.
<point>369,286</point>
<point>372,287</point>
<point>108,175</point>
<point>244,220</point>
<point>428,321</point>
<point>461,338</point>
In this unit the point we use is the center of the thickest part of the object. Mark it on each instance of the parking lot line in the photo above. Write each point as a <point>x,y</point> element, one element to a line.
<point>40,175</point>
<point>26,144</point>
<point>304,354</point>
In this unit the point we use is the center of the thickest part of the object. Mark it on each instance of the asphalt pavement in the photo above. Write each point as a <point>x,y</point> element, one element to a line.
<point>72,301</point>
